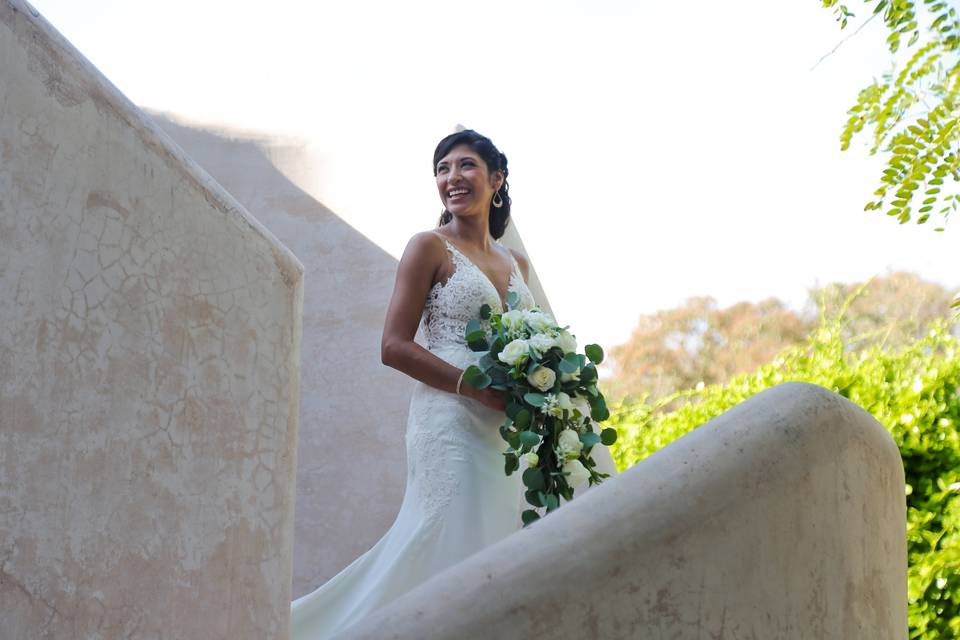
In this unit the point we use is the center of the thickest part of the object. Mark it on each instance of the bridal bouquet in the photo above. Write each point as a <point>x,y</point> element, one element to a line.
<point>553,400</point>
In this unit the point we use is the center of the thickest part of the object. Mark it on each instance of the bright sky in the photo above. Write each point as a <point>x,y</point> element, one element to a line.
<point>658,150</point>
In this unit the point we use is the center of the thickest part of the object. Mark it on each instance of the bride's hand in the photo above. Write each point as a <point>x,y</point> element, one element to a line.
<point>492,398</point>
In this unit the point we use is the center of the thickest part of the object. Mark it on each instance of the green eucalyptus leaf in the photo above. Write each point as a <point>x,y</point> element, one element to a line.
<point>552,502</point>
<point>533,498</point>
<point>599,411</point>
<point>522,419</point>
<point>474,331</point>
<point>608,436</point>
<point>511,463</point>
<point>569,364</point>
<point>476,378</point>
<point>589,439</point>
<point>534,399</point>
<point>529,438</point>
<point>478,345</point>
<point>588,374</point>
<point>529,517</point>
<point>533,480</point>
<point>594,352</point>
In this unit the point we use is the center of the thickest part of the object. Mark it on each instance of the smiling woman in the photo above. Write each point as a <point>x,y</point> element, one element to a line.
<point>458,499</point>
<point>463,164</point>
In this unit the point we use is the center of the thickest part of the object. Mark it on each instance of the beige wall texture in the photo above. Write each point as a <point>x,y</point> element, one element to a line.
<point>353,409</point>
<point>149,343</point>
<point>783,518</point>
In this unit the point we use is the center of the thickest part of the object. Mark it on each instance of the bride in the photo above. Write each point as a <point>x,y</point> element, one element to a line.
<point>458,499</point>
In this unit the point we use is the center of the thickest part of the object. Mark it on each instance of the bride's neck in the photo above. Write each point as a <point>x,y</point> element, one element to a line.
<point>471,232</point>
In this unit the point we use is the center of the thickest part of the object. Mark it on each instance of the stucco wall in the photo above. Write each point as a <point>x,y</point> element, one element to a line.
<point>149,343</point>
<point>783,518</point>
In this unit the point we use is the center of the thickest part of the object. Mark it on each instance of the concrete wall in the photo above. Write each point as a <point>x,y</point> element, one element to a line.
<point>149,343</point>
<point>783,518</point>
<point>351,459</point>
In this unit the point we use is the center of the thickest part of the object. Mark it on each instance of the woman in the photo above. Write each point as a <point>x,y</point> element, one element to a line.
<point>458,499</point>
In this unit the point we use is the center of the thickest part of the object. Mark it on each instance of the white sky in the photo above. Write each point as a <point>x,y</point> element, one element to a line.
<point>658,150</point>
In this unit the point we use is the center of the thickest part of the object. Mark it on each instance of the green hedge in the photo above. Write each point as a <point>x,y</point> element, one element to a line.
<point>913,390</point>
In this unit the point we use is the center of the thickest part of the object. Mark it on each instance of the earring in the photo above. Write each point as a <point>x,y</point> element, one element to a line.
<point>497,200</point>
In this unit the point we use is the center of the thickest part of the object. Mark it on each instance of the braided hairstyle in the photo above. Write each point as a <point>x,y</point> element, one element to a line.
<point>495,161</point>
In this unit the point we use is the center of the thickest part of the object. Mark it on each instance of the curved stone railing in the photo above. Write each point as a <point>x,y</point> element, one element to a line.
<point>149,350</point>
<point>783,518</point>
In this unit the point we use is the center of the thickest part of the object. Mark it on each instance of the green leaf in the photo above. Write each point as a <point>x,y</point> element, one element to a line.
<point>534,399</point>
<point>478,345</point>
<point>533,480</point>
<point>588,374</point>
<point>533,498</point>
<point>474,331</point>
<point>485,311</point>
<point>589,439</point>
<point>529,516</point>
<point>608,436</point>
<point>594,352</point>
<point>529,438</point>
<point>513,299</point>
<point>599,411</point>
<point>476,378</point>
<point>522,419</point>
<point>552,502</point>
<point>569,364</point>
<point>511,463</point>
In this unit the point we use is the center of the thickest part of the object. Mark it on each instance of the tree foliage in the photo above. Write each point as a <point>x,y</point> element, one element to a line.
<point>911,112</point>
<point>702,343</point>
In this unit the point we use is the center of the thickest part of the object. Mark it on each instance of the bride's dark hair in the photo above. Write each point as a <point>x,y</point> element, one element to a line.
<point>496,161</point>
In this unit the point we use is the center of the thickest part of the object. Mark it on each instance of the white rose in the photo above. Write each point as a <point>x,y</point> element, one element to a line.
<point>563,401</point>
<point>567,341</point>
<point>542,342</point>
<point>567,377</point>
<point>514,352</point>
<point>569,443</point>
<point>532,459</point>
<point>581,405</point>
<point>542,377</point>
<point>578,473</point>
<point>538,320</point>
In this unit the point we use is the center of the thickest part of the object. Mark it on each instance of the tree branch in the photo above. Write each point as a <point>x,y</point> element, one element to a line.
<point>832,51</point>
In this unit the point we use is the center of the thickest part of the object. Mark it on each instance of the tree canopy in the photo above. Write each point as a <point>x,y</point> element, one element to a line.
<point>699,342</point>
<point>911,112</point>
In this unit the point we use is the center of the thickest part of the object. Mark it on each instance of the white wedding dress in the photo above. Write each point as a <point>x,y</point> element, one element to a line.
<point>458,499</point>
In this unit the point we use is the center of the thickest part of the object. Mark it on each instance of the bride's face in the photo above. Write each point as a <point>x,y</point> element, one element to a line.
<point>465,185</point>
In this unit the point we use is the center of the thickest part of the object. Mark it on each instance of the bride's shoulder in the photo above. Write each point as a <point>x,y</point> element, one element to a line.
<point>425,246</point>
<point>522,262</point>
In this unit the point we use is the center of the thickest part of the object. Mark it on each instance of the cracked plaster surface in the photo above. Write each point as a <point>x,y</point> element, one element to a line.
<point>149,346</point>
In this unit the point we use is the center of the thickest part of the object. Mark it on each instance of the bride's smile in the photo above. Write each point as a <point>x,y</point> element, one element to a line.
<point>464,183</point>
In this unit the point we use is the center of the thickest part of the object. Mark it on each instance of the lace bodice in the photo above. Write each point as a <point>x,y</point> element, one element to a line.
<point>452,304</point>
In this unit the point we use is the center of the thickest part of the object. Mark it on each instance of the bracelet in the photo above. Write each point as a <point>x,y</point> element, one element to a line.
<point>460,381</point>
